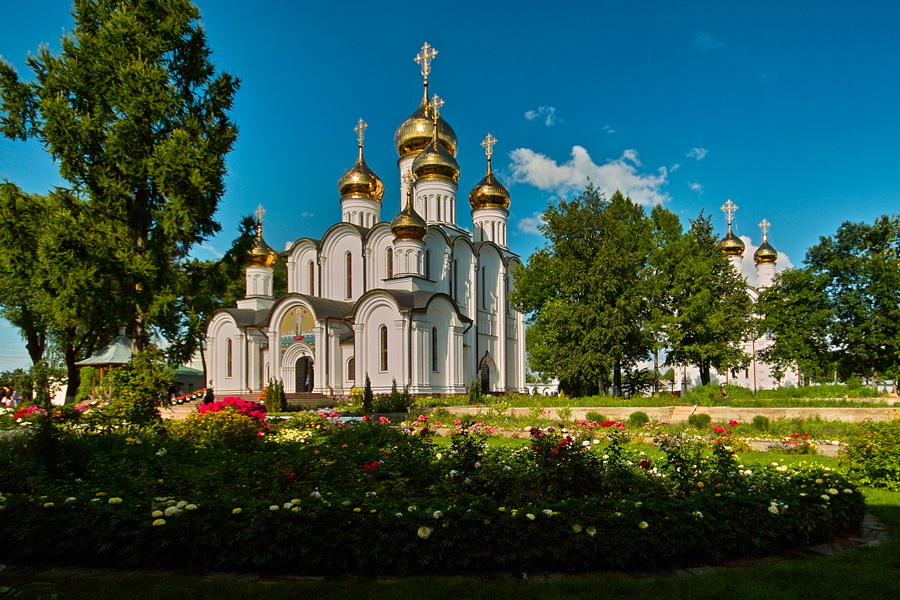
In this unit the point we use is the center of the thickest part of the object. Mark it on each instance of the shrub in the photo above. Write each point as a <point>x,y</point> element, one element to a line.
<point>274,396</point>
<point>138,389</point>
<point>873,455</point>
<point>796,443</point>
<point>564,413</point>
<point>86,386</point>
<point>475,396</point>
<point>222,424</point>
<point>593,415</point>
<point>638,418</point>
<point>699,420</point>
<point>761,423</point>
<point>368,400</point>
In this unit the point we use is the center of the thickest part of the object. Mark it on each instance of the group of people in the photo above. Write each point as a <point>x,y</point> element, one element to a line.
<point>9,397</point>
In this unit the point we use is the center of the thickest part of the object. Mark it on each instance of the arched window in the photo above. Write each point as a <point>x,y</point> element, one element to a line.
<point>312,278</point>
<point>351,369</point>
<point>438,206</point>
<point>434,349</point>
<point>384,348</point>
<point>390,262</point>
<point>428,264</point>
<point>228,358</point>
<point>484,287</point>
<point>493,232</point>
<point>425,204</point>
<point>455,278</point>
<point>349,275</point>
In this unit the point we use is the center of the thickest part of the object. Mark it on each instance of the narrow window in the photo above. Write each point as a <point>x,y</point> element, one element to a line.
<point>506,292</point>
<point>428,264</point>
<point>438,206</point>
<point>455,278</point>
<point>434,349</point>
<point>390,262</point>
<point>425,204</point>
<point>384,348</point>
<point>228,358</point>
<point>349,275</point>
<point>483,287</point>
<point>312,278</point>
<point>493,232</point>
<point>351,369</point>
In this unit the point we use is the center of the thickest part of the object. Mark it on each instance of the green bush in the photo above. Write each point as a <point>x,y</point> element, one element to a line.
<point>699,420</point>
<point>138,390</point>
<point>86,386</point>
<point>638,419</point>
<point>475,396</point>
<point>873,456</point>
<point>368,402</point>
<point>593,415</point>
<point>212,429</point>
<point>276,401</point>
<point>761,423</point>
<point>395,402</point>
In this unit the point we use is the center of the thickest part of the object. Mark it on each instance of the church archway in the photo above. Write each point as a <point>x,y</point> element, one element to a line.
<point>304,374</point>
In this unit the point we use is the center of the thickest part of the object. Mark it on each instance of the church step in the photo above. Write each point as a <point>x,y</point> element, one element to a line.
<point>309,400</point>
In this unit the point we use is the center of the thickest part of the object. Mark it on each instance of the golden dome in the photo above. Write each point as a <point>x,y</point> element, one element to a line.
<point>489,192</point>
<point>360,181</point>
<point>435,162</point>
<point>415,133</point>
<point>731,244</point>
<point>408,225</point>
<point>765,253</point>
<point>261,255</point>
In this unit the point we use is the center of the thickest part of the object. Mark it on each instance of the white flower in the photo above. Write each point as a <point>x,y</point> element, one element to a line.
<point>848,491</point>
<point>398,515</point>
<point>576,528</point>
<point>826,497</point>
<point>315,494</point>
<point>548,512</point>
<point>159,522</point>
<point>697,514</point>
<point>643,525</point>
<point>452,472</point>
<point>437,514</point>
<point>424,532</point>
<point>530,516</point>
<point>638,504</point>
<point>68,500</point>
<point>773,509</point>
<point>156,514</point>
<point>295,509</point>
<point>181,504</point>
<point>411,508</point>
<point>190,507</point>
<point>295,501</point>
<point>274,507</point>
<point>369,494</point>
<point>161,452</point>
<point>439,456</point>
<point>818,481</point>
<point>832,491</point>
<point>48,505</point>
<point>171,511</point>
<point>115,501</point>
<point>591,531</point>
<point>287,506</point>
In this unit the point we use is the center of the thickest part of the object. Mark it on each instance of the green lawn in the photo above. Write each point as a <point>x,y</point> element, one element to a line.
<point>871,573</point>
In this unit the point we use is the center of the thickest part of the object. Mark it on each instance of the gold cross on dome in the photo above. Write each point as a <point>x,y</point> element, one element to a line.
<point>729,209</point>
<point>435,105</point>
<point>408,178</point>
<point>488,145</point>
<point>260,211</point>
<point>424,58</point>
<point>764,225</point>
<point>360,130</point>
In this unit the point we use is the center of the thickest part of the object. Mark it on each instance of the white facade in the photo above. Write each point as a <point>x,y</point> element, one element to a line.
<point>430,313</point>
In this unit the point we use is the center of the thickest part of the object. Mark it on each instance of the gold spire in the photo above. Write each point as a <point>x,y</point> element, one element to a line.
<point>408,225</point>
<point>765,253</point>
<point>489,192</point>
<point>261,255</point>
<point>416,132</point>
<point>360,181</point>
<point>731,244</point>
<point>424,58</point>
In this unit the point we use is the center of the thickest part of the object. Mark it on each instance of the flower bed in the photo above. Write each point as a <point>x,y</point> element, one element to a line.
<point>371,498</point>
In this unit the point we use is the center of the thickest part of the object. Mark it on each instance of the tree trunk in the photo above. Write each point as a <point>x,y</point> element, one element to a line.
<point>73,374</point>
<point>617,379</point>
<point>704,373</point>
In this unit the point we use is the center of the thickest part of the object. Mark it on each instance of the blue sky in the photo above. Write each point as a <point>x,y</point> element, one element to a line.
<point>788,108</point>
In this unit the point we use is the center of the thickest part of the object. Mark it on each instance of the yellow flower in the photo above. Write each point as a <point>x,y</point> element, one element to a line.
<point>236,511</point>
<point>159,522</point>
<point>643,525</point>
<point>357,509</point>
<point>424,532</point>
<point>700,484</point>
<point>576,528</point>
<point>115,501</point>
<point>156,514</point>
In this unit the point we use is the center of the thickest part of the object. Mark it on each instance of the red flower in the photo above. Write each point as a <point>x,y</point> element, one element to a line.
<point>645,464</point>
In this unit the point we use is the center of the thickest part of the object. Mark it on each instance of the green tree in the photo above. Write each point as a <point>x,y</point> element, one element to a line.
<point>711,310</point>
<point>583,291</point>
<point>134,113</point>
<point>796,314</point>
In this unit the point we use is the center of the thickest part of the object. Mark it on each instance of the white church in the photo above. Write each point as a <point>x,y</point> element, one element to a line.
<point>758,375</point>
<point>417,299</point>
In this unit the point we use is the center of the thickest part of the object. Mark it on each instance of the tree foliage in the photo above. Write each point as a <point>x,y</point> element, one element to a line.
<point>134,113</point>
<point>843,306</point>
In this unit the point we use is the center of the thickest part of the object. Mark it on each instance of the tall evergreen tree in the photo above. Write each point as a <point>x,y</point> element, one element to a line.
<point>134,113</point>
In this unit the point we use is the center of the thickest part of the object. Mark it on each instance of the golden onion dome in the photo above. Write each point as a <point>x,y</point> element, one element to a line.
<point>765,253</point>
<point>262,254</point>
<point>408,225</point>
<point>360,181</point>
<point>731,244</point>
<point>435,162</point>
<point>489,192</point>
<point>415,133</point>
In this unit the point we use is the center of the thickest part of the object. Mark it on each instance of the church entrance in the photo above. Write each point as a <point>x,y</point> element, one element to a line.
<point>303,374</point>
<point>485,377</point>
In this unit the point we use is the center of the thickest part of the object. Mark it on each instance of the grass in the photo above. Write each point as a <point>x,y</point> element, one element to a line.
<point>871,573</point>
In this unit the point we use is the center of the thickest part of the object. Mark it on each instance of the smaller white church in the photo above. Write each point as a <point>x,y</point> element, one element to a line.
<point>419,299</point>
<point>758,375</point>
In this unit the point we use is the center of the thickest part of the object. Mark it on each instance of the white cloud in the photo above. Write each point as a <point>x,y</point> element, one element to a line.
<point>211,250</point>
<point>306,215</point>
<point>674,167</point>
<point>698,153</point>
<point>695,187</point>
<point>531,224</point>
<point>704,42</point>
<point>609,129</point>
<point>548,113</point>
<point>748,266</point>
<point>546,174</point>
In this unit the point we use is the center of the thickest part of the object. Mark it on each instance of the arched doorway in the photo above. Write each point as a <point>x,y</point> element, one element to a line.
<point>304,374</point>
<point>485,374</point>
